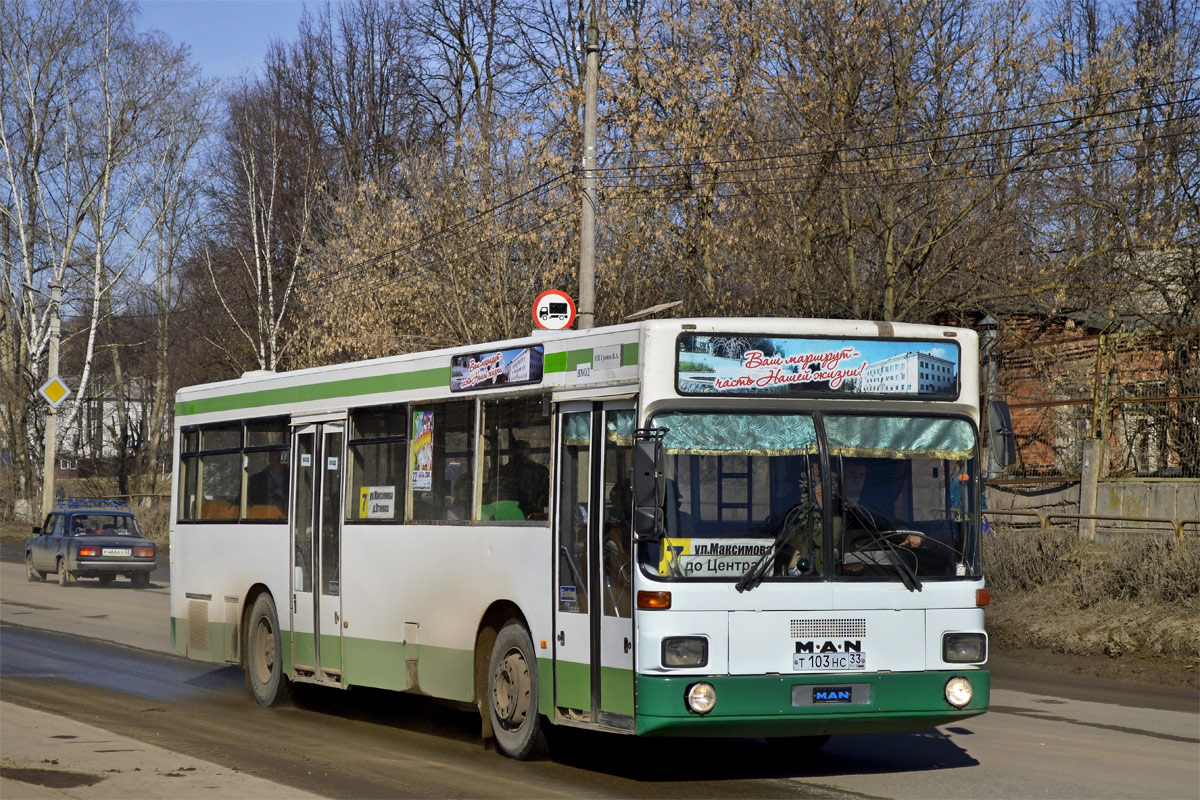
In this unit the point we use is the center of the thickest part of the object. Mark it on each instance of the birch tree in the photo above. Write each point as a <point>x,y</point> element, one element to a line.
<point>81,98</point>
<point>267,193</point>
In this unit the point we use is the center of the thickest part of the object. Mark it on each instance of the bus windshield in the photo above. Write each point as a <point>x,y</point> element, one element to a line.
<point>747,498</point>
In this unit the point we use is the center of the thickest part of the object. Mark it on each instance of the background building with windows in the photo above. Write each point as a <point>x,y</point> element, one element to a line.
<point>909,373</point>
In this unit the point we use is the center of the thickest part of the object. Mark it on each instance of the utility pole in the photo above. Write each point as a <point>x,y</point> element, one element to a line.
<point>587,228</point>
<point>50,447</point>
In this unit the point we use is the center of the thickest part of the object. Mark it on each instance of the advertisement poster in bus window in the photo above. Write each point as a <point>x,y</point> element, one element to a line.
<point>515,367</point>
<point>749,365</point>
<point>422,452</point>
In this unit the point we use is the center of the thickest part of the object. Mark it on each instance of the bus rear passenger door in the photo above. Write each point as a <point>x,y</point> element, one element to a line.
<point>329,596</point>
<point>572,617</point>
<point>305,453</point>
<point>316,552</point>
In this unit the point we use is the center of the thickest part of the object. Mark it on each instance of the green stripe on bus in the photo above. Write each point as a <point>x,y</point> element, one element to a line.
<point>761,705</point>
<point>350,387</point>
<point>577,357</point>
<point>616,690</point>
<point>545,676</point>
<point>565,362</point>
<point>629,354</point>
<point>573,685</point>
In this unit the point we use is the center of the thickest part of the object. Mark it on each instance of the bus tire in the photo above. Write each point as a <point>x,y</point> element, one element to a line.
<point>512,692</point>
<point>264,653</point>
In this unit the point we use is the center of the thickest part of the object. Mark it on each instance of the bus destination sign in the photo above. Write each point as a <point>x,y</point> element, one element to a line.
<point>749,365</point>
<point>515,367</point>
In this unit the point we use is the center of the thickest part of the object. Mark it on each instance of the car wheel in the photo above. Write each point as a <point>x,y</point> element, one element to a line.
<point>105,580</point>
<point>140,580</point>
<point>64,577</point>
<point>513,692</point>
<point>31,573</point>
<point>264,654</point>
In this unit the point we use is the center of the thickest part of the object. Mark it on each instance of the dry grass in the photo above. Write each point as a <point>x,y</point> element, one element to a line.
<point>1138,597</point>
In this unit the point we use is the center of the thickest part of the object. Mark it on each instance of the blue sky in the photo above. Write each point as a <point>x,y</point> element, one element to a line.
<point>227,37</point>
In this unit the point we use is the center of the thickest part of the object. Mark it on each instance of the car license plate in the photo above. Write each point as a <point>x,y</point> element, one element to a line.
<point>115,551</point>
<point>839,662</point>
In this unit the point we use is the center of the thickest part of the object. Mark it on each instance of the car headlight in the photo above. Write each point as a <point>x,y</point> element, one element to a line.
<point>959,691</point>
<point>964,648</point>
<point>685,651</point>
<point>701,697</point>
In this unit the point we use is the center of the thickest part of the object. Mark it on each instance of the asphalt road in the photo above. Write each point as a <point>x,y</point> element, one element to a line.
<point>99,655</point>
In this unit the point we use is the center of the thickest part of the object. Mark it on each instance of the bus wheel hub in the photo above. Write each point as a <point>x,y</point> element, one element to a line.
<point>510,689</point>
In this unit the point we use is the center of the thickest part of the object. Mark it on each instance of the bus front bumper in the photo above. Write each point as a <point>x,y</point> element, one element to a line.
<point>806,705</point>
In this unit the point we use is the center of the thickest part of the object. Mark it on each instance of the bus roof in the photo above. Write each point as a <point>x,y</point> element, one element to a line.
<point>428,372</point>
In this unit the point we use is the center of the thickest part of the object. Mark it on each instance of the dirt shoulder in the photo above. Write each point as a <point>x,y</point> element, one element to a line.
<point>1026,662</point>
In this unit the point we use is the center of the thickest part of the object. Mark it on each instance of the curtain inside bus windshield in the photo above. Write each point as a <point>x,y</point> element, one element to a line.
<point>903,492</point>
<point>734,483</point>
<point>745,434</point>
<point>899,437</point>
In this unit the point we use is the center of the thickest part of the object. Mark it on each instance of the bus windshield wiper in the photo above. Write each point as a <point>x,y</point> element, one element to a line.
<point>867,520</point>
<point>758,570</point>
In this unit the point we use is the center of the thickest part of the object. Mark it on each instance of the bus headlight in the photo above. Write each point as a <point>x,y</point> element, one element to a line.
<point>964,648</point>
<point>701,697</point>
<point>958,692</point>
<point>685,651</point>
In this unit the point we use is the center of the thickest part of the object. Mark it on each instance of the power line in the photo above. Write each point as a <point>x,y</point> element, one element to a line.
<point>863,149</point>
<point>767,174</point>
<point>1003,111</point>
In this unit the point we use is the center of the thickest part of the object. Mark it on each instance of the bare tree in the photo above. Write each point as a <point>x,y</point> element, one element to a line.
<point>82,106</point>
<point>267,195</point>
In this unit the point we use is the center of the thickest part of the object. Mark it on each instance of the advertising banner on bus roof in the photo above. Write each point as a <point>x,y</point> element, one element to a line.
<point>520,365</point>
<point>752,366</point>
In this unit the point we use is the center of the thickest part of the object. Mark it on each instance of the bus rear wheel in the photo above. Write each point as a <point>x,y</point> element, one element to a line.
<point>512,693</point>
<point>264,653</point>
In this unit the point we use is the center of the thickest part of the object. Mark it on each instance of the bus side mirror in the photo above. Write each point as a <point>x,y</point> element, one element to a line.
<point>1000,434</point>
<point>649,482</point>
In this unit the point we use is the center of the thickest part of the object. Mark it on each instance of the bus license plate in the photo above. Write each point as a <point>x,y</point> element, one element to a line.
<point>115,551</point>
<point>803,662</point>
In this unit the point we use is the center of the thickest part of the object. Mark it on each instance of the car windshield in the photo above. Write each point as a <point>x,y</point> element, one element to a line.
<point>105,524</point>
<point>746,499</point>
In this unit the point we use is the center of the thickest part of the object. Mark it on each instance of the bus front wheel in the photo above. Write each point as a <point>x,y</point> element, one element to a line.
<point>264,653</point>
<point>512,693</point>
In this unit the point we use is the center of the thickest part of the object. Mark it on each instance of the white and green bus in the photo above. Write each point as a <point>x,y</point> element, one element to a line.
<point>710,527</point>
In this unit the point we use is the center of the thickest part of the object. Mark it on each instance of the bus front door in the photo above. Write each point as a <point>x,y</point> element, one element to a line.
<point>316,552</point>
<point>593,661</point>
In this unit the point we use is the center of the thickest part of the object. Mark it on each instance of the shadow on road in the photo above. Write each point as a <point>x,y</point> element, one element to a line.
<point>648,759</point>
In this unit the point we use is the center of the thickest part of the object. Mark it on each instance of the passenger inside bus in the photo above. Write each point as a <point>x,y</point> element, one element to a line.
<point>526,481</point>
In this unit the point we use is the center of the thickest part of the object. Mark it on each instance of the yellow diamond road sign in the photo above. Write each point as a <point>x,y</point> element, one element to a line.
<point>55,391</point>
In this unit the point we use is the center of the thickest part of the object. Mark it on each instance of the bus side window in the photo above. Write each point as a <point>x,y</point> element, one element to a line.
<point>516,457</point>
<point>441,463</point>
<point>375,488</point>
